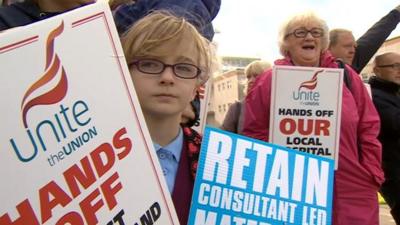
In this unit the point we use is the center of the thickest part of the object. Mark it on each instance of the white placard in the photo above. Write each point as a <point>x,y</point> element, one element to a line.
<point>75,147</point>
<point>306,109</point>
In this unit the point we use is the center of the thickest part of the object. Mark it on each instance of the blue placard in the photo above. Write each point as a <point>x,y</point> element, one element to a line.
<point>241,180</point>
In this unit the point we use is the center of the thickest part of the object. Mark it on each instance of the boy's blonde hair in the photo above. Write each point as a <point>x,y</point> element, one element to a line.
<point>160,27</point>
<point>303,19</point>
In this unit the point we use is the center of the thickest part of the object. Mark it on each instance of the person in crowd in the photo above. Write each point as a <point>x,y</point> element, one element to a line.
<point>233,121</point>
<point>30,11</point>
<point>303,41</point>
<point>168,60</point>
<point>358,53</point>
<point>198,12</point>
<point>385,88</point>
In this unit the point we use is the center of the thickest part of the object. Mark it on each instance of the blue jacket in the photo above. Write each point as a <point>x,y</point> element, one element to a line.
<point>199,12</point>
<point>21,14</point>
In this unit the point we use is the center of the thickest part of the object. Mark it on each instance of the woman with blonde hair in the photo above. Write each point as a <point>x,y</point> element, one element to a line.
<point>233,121</point>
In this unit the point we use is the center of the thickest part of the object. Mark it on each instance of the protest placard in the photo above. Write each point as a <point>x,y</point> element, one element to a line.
<point>246,181</point>
<point>204,93</point>
<point>75,147</point>
<point>306,109</point>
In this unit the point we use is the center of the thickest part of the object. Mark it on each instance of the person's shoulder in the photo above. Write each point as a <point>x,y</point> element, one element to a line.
<point>354,75</point>
<point>8,14</point>
<point>18,7</point>
<point>237,103</point>
<point>5,11</point>
<point>18,14</point>
<point>265,77</point>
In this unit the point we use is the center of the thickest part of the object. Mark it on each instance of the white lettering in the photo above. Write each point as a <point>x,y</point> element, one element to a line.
<point>239,163</point>
<point>317,182</point>
<point>262,152</point>
<point>218,153</point>
<point>204,218</point>
<point>279,175</point>
<point>298,171</point>
<point>203,200</point>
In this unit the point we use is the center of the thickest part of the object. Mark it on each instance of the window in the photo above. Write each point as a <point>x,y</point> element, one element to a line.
<point>229,84</point>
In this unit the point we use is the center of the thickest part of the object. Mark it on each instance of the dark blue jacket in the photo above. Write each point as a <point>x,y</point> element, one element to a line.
<point>369,43</point>
<point>23,13</point>
<point>386,97</point>
<point>199,12</point>
<point>20,14</point>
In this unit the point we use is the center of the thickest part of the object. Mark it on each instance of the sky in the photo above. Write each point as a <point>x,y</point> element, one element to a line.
<point>249,28</point>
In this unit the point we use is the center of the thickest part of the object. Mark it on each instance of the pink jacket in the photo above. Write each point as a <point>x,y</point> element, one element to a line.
<point>359,174</point>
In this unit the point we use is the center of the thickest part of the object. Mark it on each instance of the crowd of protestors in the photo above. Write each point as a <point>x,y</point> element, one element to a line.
<point>167,45</point>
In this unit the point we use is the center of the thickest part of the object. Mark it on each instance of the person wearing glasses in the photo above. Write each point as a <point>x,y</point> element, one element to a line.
<point>385,87</point>
<point>168,60</point>
<point>303,41</point>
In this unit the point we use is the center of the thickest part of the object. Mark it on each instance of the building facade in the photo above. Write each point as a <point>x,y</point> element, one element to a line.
<point>228,87</point>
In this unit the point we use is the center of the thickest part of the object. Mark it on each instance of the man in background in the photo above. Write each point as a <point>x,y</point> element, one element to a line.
<point>358,53</point>
<point>385,88</point>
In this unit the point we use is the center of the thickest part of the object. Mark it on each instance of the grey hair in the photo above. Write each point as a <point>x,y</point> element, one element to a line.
<point>303,19</point>
<point>334,35</point>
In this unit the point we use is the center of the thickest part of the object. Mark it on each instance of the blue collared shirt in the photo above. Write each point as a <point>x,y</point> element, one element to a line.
<point>169,157</point>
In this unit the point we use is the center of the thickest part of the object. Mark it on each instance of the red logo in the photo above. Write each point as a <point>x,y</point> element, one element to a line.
<point>58,92</point>
<point>311,84</point>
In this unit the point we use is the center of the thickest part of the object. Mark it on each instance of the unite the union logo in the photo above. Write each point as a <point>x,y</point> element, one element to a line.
<point>51,88</point>
<point>52,68</point>
<point>311,84</point>
<point>309,96</point>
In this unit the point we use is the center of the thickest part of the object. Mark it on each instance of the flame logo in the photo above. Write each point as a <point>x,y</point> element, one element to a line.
<point>311,84</point>
<point>58,92</point>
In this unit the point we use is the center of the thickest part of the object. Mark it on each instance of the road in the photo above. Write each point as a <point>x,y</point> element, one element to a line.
<point>384,215</point>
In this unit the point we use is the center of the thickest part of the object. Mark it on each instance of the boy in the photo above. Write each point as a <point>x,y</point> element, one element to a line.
<point>168,60</point>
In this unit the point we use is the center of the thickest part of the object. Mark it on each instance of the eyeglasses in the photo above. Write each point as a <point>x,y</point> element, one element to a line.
<point>153,66</point>
<point>395,66</point>
<point>302,33</point>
